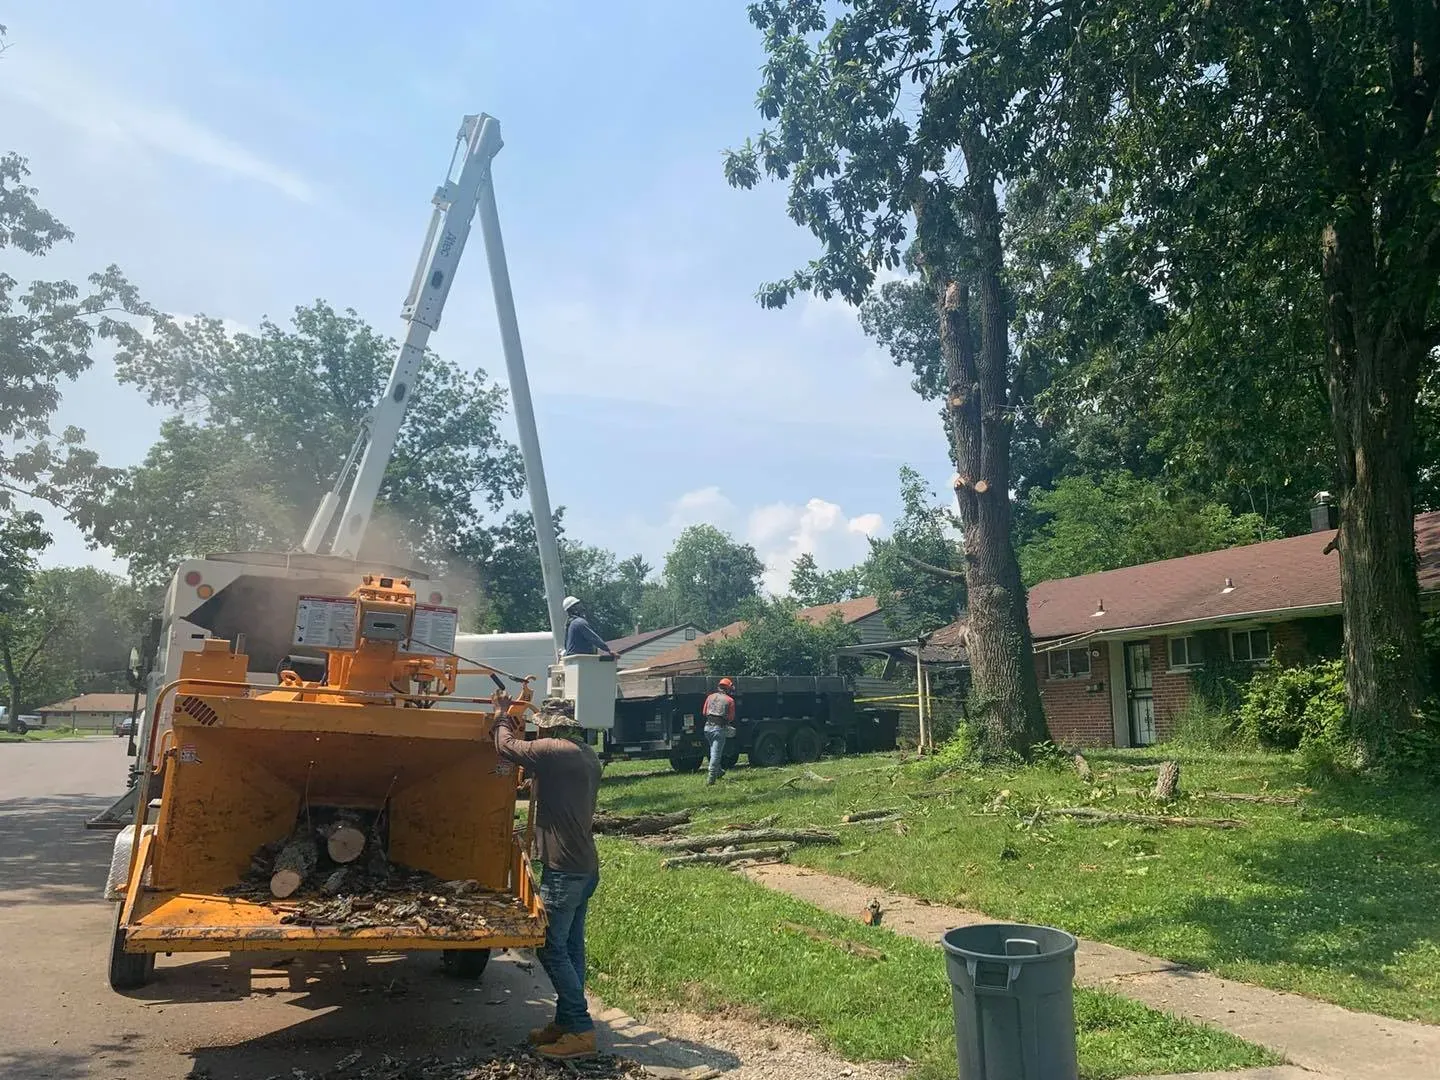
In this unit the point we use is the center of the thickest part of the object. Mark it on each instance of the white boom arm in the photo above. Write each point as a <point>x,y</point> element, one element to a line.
<point>455,204</point>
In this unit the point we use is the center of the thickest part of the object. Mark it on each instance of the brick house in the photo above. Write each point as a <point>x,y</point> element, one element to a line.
<point>1117,652</point>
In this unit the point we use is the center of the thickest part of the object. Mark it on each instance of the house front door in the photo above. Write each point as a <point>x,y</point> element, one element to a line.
<point>1140,692</point>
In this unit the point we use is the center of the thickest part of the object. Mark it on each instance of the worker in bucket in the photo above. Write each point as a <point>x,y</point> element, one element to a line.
<point>566,775</point>
<point>580,637</point>
<point>719,713</point>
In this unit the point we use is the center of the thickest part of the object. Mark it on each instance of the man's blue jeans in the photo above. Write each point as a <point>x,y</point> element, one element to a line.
<point>715,736</point>
<point>566,897</point>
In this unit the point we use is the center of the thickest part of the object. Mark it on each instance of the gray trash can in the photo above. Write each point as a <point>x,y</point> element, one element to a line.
<point>1012,987</point>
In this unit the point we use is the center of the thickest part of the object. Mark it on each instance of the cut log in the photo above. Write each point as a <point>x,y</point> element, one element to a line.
<point>344,839</point>
<point>749,836</point>
<point>852,947</point>
<point>1083,768</point>
<point>1089,813</point>
<point>1167,784</point>
<point>335,883</point>
<point>869,815</point>
<point>721,858</point>
<point>638,824</point>
<point>296,861</point>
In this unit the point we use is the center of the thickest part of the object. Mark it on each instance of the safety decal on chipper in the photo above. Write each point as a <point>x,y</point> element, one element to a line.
<point>327,622</point>
<point>433,632</point>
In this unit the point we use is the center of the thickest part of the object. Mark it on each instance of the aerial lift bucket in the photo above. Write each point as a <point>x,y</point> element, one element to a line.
<point>241,772</point>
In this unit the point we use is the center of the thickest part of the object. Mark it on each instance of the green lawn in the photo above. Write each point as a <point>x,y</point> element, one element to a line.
<point>41,734</point>
<point>1335,898</point>
<point>707,939</point>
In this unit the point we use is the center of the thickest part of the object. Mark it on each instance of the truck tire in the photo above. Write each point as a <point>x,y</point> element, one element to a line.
<point>837,746</point>
<point>685,761</point>
<point>18,727</point>
<point>128,971</point>
<point>768,750</point>
<point>805,744</point>
<point>465,963</point>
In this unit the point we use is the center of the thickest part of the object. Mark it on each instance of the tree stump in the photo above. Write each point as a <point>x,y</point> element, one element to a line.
<point>1168,782</point>
<point>1083,768</point>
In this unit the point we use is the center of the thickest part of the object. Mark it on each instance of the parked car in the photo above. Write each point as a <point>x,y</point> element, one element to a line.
<point>125,726</point>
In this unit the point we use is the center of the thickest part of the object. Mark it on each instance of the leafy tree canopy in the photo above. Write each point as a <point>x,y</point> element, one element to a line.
<point>706,578</point>
<point>811,586</point>
<point>1122,520</point>
<point>777,641</point>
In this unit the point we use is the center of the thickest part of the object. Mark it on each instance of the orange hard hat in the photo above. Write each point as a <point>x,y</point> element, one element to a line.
<point>726,684</point>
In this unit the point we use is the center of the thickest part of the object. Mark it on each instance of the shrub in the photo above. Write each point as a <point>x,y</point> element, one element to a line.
<point>1202,725</point>
<point>1287,708</point>
<point>957,752</point>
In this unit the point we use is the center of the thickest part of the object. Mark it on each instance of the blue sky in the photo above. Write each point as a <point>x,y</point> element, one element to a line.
<point>238,160</point>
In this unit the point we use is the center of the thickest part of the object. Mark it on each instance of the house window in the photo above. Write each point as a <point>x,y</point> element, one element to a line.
<point>1069,663</point>
<point>689,633</point>
<point>1250,646</point>
<point>1185,652</point>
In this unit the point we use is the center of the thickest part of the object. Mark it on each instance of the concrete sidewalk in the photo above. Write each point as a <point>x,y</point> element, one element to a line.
<point>1336,1043</point>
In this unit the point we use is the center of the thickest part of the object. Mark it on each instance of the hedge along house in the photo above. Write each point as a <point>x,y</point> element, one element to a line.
<point>1118,653</point>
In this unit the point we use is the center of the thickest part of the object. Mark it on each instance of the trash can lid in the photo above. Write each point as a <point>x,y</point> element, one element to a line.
<point>1011,943</point>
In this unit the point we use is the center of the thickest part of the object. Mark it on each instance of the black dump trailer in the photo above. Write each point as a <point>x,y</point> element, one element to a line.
<point>777,719</point>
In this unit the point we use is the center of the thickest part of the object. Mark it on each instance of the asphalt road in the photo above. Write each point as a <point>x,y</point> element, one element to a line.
<point>241,1018</point>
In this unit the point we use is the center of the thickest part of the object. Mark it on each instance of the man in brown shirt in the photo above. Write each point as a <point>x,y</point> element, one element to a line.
<point>566,779</point>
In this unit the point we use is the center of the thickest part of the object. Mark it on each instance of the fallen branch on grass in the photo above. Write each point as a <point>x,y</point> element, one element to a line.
<point>721,858</point>
<point>748,836</point>
<point>1223,796</point>
<point>1089,813</point>
<point>638,824</point>
<point>869,815</point>
<point>807,775</point>
<point>852,947</point>
<point>764,823</point>
<point>896,816</point>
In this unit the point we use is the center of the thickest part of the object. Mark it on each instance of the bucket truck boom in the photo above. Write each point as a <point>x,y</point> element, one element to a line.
<point>456,202</point>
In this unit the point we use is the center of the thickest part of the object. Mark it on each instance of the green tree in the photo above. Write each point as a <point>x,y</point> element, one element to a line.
<point>896,114</point>
<point>777,641</point>
<point>271,416</point>
<point>811,586</point>
<point>48,331</point>
<point>33,614</point>
<point>109,620</point>
<point>707,576</point>
<point>917,572</point>
<point>1122,520</point>
<point>1295,146</point>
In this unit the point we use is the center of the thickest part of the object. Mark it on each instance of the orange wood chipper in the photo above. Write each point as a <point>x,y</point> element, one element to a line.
<point>344,813</point>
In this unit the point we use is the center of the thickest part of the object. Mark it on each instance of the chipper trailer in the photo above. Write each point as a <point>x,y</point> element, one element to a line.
<point>338,814</point>
<point>295,784</point>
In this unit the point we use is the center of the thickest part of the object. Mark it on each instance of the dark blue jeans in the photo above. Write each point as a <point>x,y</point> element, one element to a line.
<point>566,897</point>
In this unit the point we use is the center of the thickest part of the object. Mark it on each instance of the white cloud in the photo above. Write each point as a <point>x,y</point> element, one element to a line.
<point>105,115</point>
<point>782,532</point>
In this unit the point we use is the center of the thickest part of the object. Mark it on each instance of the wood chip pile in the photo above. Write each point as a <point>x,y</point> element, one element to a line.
<point>514,1065</point>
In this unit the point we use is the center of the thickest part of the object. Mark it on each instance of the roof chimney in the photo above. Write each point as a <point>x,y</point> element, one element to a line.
<point>1099,609</point>
<point>1324,515</point>
<point>1229,585</point>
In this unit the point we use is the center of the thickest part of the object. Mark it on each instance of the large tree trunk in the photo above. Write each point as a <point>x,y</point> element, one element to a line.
<point>1376,345</point>
<point>1005,699</point>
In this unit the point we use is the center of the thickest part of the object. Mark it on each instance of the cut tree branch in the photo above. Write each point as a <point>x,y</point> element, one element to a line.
<point>931,568</point>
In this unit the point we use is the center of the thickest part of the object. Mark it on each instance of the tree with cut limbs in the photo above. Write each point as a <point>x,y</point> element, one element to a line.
<point>865,161</point>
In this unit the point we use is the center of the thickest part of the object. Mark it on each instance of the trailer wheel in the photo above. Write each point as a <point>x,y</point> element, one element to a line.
<point>128,971</point>
<point>768,749</point>
<point>685,761</point>
<point>805,744</point>
<point>465,963</point>
<point>837,746</point>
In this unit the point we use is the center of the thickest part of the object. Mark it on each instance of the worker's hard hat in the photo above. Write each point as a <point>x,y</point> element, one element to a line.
<point>726,684</point>
<point>570,602</point>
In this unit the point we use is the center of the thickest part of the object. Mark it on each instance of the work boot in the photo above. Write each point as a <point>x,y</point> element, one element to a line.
<point>545,1035</point>
<point>570,1047</point>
